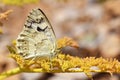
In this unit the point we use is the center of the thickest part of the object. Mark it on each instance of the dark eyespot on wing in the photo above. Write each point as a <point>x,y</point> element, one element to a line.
<point>44,39</point>
<point>21,53</point>
<point>23,35</point>
<point>21,40</point>
<point>41,20</point>
<point>39,29</point>
<point>28,26</point>
<point>29,16</point>
<point>38,20</point>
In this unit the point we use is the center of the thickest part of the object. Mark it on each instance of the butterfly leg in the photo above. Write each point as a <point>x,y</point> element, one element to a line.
<point>31,60</point>
<point>51,65</point>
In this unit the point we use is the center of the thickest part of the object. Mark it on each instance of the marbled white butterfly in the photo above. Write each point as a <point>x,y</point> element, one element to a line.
<point>37,38</point>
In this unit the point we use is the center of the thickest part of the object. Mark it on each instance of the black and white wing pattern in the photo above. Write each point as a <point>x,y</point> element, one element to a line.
<point>37,38</point>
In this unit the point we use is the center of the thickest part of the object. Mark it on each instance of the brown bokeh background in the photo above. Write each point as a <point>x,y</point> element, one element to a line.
<point>94,24</point>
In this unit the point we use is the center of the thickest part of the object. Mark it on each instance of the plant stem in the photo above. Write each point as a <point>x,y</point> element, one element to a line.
<point>10,73</point>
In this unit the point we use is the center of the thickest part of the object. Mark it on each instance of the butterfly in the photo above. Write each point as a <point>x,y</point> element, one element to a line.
<point>37,39</point>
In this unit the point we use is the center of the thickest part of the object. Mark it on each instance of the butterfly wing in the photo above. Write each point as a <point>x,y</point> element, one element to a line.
<point>37,38</point>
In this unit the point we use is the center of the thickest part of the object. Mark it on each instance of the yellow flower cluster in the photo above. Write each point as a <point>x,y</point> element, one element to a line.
<point>66,41</point>
<point>4,16</point>
<point>66,63</point>
<point>63,63</point>
<point>18,2</point>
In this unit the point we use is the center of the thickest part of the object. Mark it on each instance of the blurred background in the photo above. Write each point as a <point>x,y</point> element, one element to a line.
<point>93,24</point>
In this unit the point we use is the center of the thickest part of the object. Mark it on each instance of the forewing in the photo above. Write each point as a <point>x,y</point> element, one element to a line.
<point>37,38</point>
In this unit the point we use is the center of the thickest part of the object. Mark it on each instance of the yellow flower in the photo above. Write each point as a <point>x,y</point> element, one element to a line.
<point>5,14</point>
<point>63,63</point>
<point>19,2</point>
